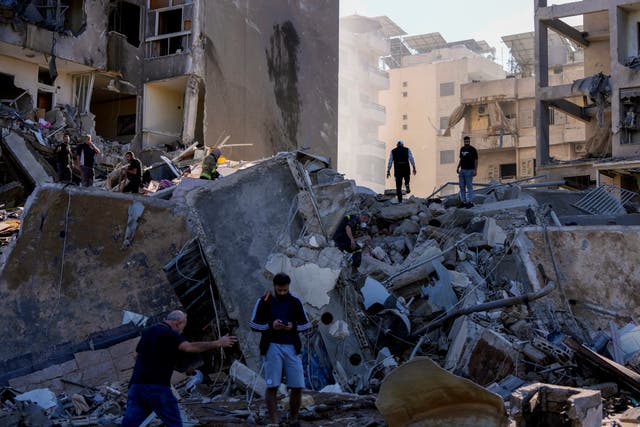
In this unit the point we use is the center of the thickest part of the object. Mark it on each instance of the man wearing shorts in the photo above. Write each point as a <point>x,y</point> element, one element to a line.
<point>280,316</point>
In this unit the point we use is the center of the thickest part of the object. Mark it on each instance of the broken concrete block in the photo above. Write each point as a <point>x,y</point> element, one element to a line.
<point>441,293</point>
<point>397,212</point>
<point>607,390</point>
<point>463,336</point>
<point>417,265</point>
<point>317,241</point>
<point>330,257</point>
<point>493,234</point>
<point>629,418</point>
<point>378,269</point>
<point>546,404</point>
<point>407,227</point>
<point>407,399</point>
<point>492,358</point>
<point>308,254</point>
<point>535,355</point>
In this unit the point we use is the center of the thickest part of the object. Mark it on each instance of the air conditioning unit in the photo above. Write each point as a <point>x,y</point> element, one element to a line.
<point>580,148</point>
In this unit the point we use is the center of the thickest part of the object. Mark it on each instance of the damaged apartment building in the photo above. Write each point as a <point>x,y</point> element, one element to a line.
<point>156,75</point>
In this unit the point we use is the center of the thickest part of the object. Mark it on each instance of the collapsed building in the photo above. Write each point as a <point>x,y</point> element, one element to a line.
<point>503,295</point>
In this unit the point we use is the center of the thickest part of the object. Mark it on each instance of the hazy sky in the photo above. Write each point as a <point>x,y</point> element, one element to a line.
<point>454,19</point>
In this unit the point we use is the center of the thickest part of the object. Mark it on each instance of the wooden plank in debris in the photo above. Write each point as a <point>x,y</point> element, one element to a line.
<point>613,370</point>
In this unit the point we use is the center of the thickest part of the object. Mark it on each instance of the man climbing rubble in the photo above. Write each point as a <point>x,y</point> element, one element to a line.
<point>132,173</point>
<point>345,235</point>
<point>280,316</point>
<point>156,355</point>
<point>210,165</point>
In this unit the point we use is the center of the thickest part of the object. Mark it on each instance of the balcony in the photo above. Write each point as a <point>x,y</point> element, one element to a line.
<point>492,142</point>
<point>374,112</point>
<point>378,78</point>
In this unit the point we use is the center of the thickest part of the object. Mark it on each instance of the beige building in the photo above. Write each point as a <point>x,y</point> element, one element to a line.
<point>498,115</point>
<point>361,155</point>
<point>426,75</point>
<point>611,49</point>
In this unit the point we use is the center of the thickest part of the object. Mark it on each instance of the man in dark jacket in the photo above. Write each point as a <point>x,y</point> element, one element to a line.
<point>280,316</point>
<point>156,355</point>
<point>467,169</point>
<point>63,159</point>
<point>400,157</point>
<point>133,173</point>
<point>86,154</point>
<point>345,235</point>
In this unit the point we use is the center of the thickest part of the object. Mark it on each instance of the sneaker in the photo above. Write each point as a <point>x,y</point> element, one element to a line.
<point>407,188</point>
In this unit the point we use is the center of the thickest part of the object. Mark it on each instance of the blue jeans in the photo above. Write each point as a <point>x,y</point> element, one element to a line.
<point>144,399</point>
<point>466,182</point>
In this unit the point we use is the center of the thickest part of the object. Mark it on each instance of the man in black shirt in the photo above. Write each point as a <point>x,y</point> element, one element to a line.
<point>133,173</point>
<point>467,169</point>
<point>63,159</point>
<point>86,154</point>
<point>345,235</point>
<point>400,157</point>
<point>156,355</point>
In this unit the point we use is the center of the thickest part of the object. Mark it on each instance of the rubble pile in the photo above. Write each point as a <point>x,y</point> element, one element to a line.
<point>491,309</point>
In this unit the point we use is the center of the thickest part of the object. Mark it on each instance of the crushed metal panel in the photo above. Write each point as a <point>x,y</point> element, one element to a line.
<point>420,393</point>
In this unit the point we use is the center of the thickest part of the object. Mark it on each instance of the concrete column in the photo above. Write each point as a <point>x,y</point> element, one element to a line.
<point>541,52</point>
<point>190,112</point>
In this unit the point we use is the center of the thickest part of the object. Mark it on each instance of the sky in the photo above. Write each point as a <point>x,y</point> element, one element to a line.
<point>454,19</point>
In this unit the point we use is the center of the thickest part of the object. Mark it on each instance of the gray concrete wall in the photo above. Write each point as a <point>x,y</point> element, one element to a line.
<point>67,279</point>
<point>598,265</point>
<point>271,75</point>
<point>241,217</point>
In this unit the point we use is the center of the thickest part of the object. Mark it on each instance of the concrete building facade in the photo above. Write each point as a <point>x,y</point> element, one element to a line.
<point>361,155</point>
<point>163,73</point>
<point>424,90</point>
<point>610,42</point>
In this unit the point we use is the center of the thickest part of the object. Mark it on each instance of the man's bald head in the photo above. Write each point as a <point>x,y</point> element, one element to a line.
<point>177,320</point>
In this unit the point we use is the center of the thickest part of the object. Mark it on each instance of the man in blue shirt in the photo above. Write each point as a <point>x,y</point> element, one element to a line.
<point>279,316</point>
<point>400,157</point>
<point>156,356</point>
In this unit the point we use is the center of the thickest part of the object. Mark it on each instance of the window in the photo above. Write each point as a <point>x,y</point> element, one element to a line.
<point>447,156</point>
<point>405,127</point>
<point>508,171</point>
<point>405,84</point>
<point>44,76</point>
<point>447,89</point>
<point>124,18</point>
<point>444,122</point>
<point>552,116</point>
<point>405,94</point>
<point>405,117</point>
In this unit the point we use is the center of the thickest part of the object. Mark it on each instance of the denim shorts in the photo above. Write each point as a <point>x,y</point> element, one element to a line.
<point>283,358</point>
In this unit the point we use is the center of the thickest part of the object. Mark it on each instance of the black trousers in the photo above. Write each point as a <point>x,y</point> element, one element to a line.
<point>399,178</point>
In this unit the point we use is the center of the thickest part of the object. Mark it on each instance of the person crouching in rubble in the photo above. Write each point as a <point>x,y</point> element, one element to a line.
<point>280,316</point>
<point>132,172</point>
<point>345,235</point>
<point>156,355</point>
<point>210,165</point>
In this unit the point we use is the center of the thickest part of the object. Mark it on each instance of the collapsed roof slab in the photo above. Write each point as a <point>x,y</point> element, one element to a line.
<point>71,275</point>
<point>241,219</point>
<point>598,269</point>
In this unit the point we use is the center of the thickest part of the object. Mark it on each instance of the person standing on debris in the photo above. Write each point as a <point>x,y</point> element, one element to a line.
<point>467,169</point>
<point>63,159</point>
<point>280,316</point>
<point>210,165</point>
<point>345,235</point>
<point>133,173</point>
<point>156,355</point>
<point>400,158</point>
<point>86,156</point>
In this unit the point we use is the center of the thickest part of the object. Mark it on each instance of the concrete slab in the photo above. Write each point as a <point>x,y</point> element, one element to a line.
<point>19,151</point>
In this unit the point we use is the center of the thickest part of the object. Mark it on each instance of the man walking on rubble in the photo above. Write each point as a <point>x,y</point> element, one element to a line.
<point>467,169</point>
<point>156,355</point>
<point>63,159</point>
<point>280,316</point>
<point>210,165</point>
<point>345,235</point>
<point>86,155</point>
<point>400,158</point>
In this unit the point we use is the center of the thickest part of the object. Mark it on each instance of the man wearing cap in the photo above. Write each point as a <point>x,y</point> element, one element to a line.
<point>210,165</point>
<point>400,157</point>
<point>467,169</point>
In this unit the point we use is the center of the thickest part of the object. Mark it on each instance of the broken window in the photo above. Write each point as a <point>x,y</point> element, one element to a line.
<point>56,15</point>
<point>82,88</point>
<point>508,171</point>
<point>44,76</point>
<point>405,127</point>
<point>124,18</point>
<point>405,94</point>
<point>168,27</point>
<point>405,117</point>
<point>13,96</point>
<point>629,110</point>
